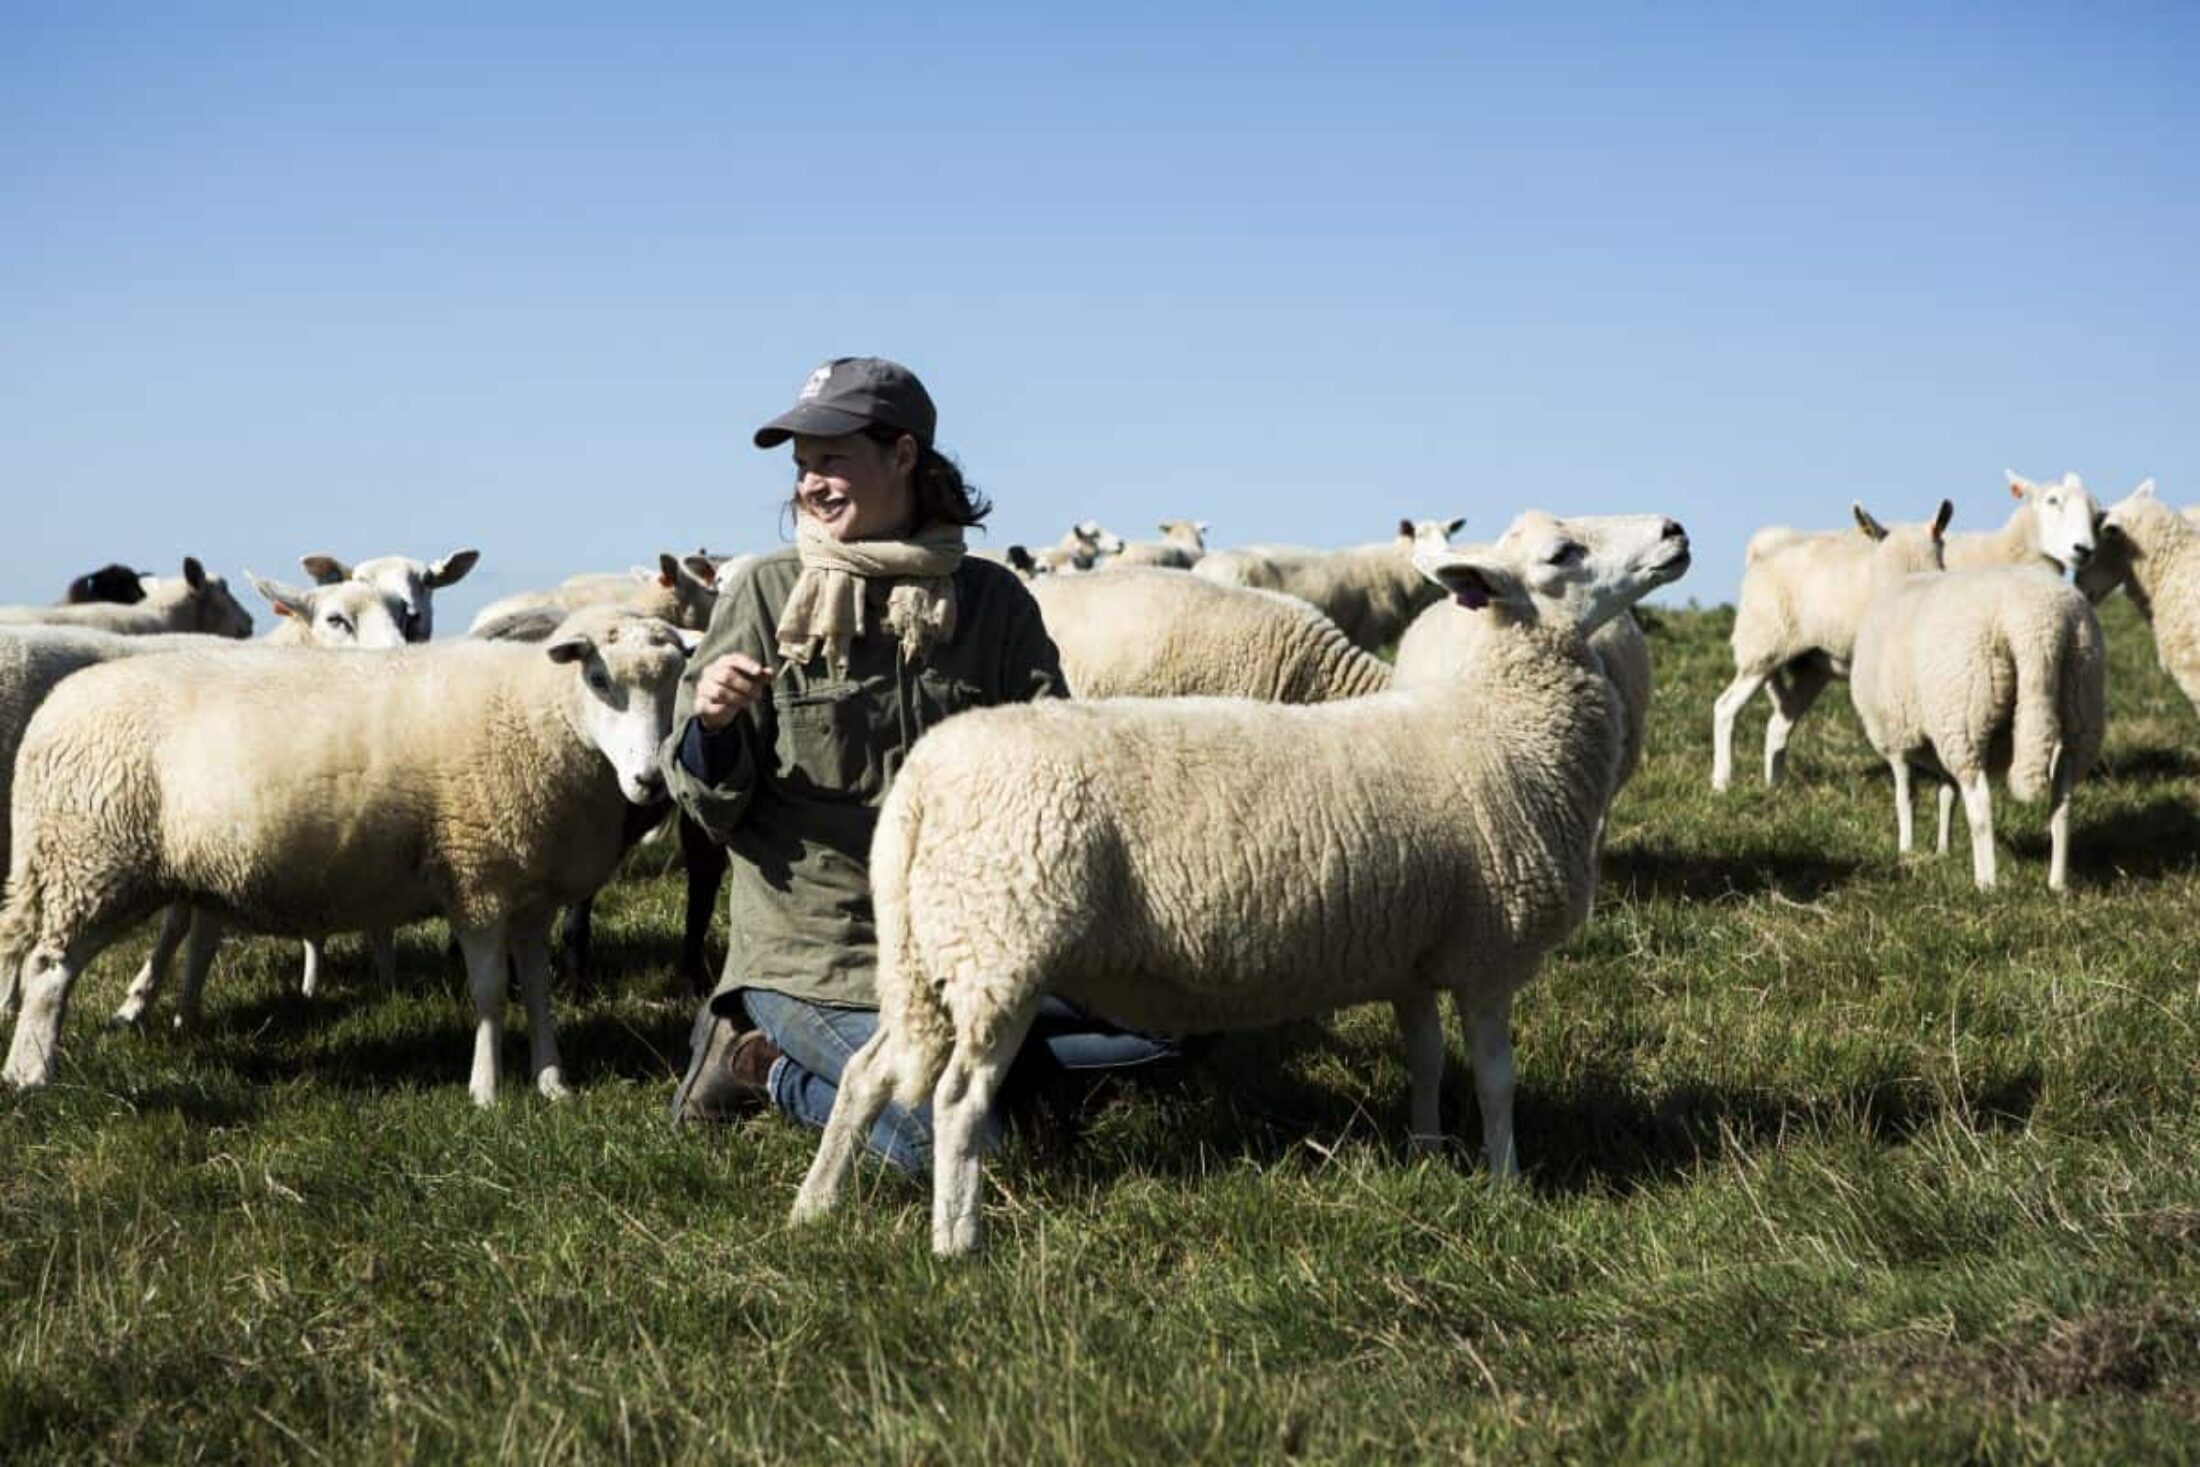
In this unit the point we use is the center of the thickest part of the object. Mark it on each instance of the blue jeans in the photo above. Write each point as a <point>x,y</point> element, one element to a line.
<point>816,1042</point>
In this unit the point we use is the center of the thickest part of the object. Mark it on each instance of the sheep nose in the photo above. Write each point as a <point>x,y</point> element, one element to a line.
<point>2079,555</point>
<point>1673,531</point>
<point>653,784</point>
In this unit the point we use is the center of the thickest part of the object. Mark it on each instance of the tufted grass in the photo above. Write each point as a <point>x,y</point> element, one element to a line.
<point>1827,1157</point>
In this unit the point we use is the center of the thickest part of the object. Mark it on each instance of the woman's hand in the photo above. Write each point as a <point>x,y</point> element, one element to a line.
<point>726,687</point>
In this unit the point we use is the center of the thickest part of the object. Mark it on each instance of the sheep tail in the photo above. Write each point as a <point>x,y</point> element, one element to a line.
<point>910,1008</point>
<point>2036,731</point>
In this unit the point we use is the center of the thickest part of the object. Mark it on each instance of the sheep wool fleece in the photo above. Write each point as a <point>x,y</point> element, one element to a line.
<point>795,788</point>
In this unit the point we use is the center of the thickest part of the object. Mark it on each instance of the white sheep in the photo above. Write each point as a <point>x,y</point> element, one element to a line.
<point>1371,591</point>
<point>682,590</point>
<point>1998,669</point>
<point>411,583</point>
<point>1189,864</point>
<point>1081,547</point>
<point>1181,546</point>
<point>2153,552</point>
<point>484,781</point>
<point>1147,632</point>
<point>197,602</point>
<point>1803,593</point>
<point>342,613</point>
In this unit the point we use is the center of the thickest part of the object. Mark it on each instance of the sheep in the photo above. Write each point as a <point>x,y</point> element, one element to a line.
<point>1371,591</point>
<point>1181,546</point>
<point>111,582</point>
<point>2153,552</point>
<point>196,603</point>
<point>340,613</point>
<point>1998,669</point>
<point>682,591</point>
<point>484,781</point>
<point>1199,863</point>
<point>1019,559</point>
<point>410,582</point>
<point>1803,593</point>
<point>1080,548</point>
<point>1155,633</point>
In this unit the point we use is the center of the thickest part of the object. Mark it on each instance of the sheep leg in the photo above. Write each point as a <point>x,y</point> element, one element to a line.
<point>2062,782</point>
<point>531,950</point>
<point>309,981</point>
<point>1793,693</point>
<point>1978,809</point>
<point>706,871</point>
<point>1723,713</point>
<point>484,948</point>
<point>1905,831</point>
<point>577,941</point>
<point>960,1102</point>
<point>199,946</point>
<point>382,945</point>
<point>866,1085</point>
<point>1489,1042</point>
<point>1422,1029</point>
<point>175,921</point>
<point>1944,795</point>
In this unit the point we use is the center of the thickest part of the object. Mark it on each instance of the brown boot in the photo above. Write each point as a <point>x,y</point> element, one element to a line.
<point>728,1073</point>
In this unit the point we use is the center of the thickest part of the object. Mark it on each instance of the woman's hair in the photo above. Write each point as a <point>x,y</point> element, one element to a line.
<point>943,496</point>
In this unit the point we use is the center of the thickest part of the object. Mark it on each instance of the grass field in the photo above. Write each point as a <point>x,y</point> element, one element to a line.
<point>1826,1156</point>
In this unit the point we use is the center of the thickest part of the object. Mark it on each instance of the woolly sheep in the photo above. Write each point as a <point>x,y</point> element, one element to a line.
<point>1080,548</point>
<point>197,602</point>
<point>1250,863</point>
<point>1181,546</point>
<point>2153,552</point>
<point>682,590</point>
<point>1999,669</point>
<point>1803,593</point>
<point>1371,591</point>
<point>1148,632</point>
<point>484,781</point>
<point>411,583</point>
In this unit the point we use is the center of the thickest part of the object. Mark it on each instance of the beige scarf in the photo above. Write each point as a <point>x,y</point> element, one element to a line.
<point>826,610</point>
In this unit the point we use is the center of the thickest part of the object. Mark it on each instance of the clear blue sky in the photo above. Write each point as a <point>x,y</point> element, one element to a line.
<point>273,282</point>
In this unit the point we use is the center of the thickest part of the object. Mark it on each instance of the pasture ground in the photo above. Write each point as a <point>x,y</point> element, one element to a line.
<point>1826,1157</point>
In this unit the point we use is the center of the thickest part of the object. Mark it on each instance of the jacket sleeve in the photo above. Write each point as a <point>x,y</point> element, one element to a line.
<point>1031,667</point>
<point>713,776</point>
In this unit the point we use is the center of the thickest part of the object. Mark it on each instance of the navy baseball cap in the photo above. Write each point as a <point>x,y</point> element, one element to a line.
<point>849,394</point>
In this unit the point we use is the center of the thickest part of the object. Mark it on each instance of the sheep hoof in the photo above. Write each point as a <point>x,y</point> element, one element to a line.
<point>1427,1143</point>
<point>484,1096</point>
<point>552,1085</point>
<point>127,1017</point>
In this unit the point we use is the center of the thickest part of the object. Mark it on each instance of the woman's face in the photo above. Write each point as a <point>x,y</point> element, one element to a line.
<point>855,489</point>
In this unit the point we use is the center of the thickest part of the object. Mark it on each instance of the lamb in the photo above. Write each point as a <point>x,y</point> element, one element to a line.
<point>1243,863</point>
<point>683,591</point>
<point>484,781</point>
<point>1999,669</point>
<point>1803,593</point>
<point>411,583</point>
<point>196,603</point>
<point>1181,546</point>
<point>1371,591</point>
<point>1148,632</point>
<point>2153,552</point>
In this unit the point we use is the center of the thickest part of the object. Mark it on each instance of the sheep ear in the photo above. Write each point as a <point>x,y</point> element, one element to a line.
<point>287,600</point>
<point>2072,482</point>
<point>1475,582</point>
<point>1405,529</point>
<point>326,570</point>
<point>2144,491</point>
<point>668,570</point>
<point>571,649</point>
<point>194,574</point>
<point>1454,526</point>
<point>1019,558</point>
<point>452,567</point>
<point>2019,486</point>
<point>702,567</point>
<point>1866,523</point>
<point>1940,520</point>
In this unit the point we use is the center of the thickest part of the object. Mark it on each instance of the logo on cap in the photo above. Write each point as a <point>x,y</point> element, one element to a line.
<point>813,388</point>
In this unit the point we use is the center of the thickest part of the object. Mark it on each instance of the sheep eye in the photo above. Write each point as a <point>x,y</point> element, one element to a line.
<point>1568,554</point>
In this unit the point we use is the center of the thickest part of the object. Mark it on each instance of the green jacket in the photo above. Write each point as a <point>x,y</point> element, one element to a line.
<point>793,784</point>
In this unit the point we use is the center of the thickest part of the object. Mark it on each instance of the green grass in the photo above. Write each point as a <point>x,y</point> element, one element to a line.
<point>1826,1157</point>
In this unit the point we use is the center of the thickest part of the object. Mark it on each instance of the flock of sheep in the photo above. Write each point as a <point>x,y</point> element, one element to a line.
<point>1263,818</point>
